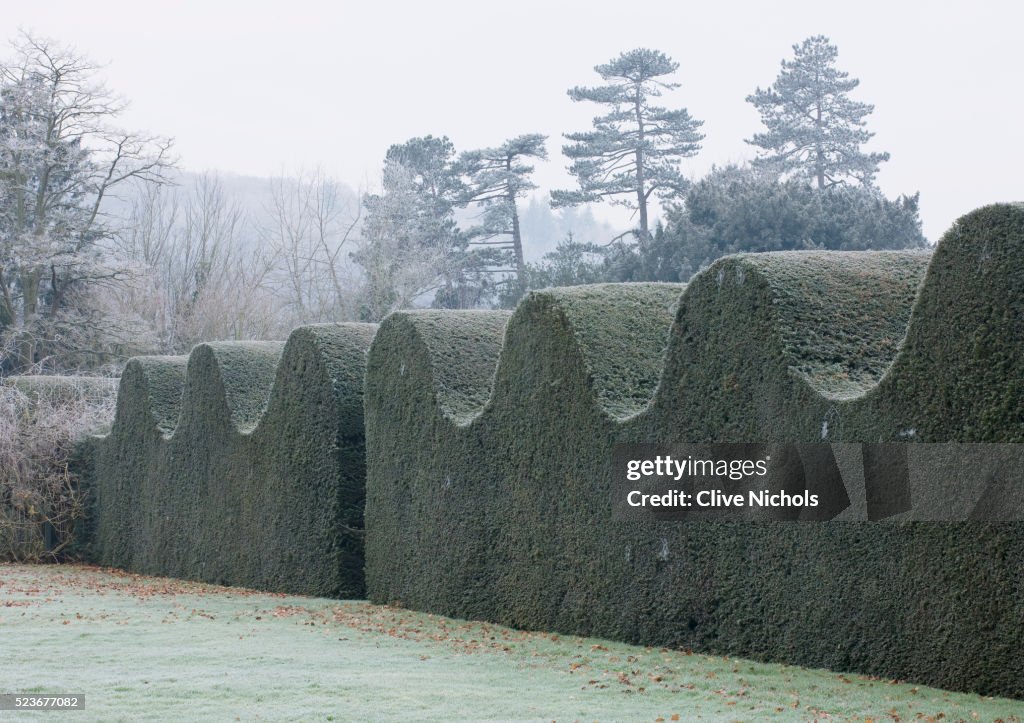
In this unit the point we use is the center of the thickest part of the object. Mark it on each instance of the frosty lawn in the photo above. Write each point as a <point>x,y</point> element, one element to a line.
<point>142,647</point>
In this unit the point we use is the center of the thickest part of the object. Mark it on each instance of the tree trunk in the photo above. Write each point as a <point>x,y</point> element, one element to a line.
<point>819,153</point>
<point>26,347</point>
<point>30,293</point>
<point>517,242</point>
<point>517,238</point>
<point>641,196</point>
<point>7,313</point>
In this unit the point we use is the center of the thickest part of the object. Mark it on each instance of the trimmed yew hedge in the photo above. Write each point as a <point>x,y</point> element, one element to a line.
<point>242,464</point>
<point>497,505</point>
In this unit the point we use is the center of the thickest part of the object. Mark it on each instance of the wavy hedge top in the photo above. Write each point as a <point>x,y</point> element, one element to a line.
<point>621,331</point>
<point>963,359</point>
<point>238,376</point>
<point>837,320</point>
<point>241,378</point>
<point>153,386</point>
<point>841,315</point>
<point>462,350</point>
<point>832,322</point>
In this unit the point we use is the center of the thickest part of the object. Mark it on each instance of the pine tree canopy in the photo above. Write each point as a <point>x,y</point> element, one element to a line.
<point>497,178</point>
<point>634,151</point>
<point>494,173</point>
<point>813,128</point>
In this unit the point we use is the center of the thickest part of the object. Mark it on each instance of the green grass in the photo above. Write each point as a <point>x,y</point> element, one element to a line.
<point>161,649</point>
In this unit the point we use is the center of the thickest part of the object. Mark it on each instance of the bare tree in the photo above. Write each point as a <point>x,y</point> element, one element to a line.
<point>199,272</point>
<point>308,226</point>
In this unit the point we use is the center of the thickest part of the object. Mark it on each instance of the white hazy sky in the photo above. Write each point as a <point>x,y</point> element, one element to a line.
<point>260,87</point>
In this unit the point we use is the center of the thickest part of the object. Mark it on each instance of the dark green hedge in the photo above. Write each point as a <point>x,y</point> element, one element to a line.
<point>503,512</point>
<point>242,464</point>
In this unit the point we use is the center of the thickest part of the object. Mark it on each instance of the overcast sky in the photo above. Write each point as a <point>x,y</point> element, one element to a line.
<point>260,87</point>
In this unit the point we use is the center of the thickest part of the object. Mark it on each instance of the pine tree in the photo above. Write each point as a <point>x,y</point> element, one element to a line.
<point>813,128</point>
<point>635,149</point>
<point>498,177</point>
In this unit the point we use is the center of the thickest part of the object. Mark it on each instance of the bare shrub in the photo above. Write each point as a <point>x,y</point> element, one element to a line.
<point>41,420</point>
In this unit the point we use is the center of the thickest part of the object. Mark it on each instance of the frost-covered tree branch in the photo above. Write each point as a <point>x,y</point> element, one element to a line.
<point>61,156</point>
